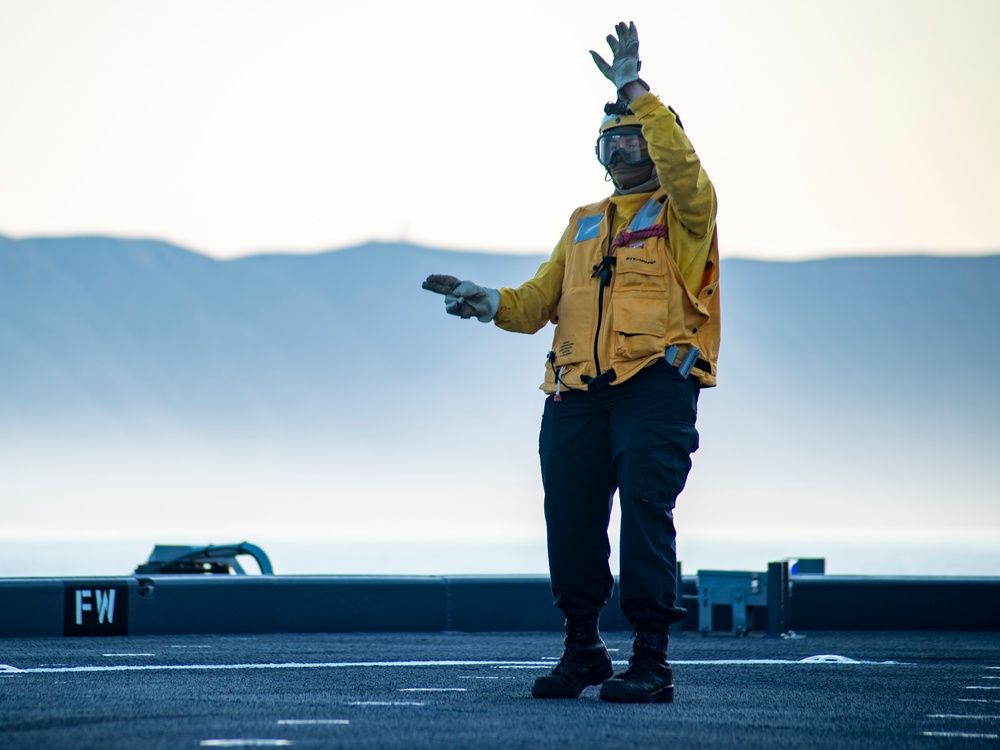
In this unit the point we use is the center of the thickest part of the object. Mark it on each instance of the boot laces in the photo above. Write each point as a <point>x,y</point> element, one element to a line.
<point>562,666</point>
<point>644,658</point>
<point>574,643</point>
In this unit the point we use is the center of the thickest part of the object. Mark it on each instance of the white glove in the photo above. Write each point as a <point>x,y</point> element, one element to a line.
<point>471,300</point>
<point>464,298</point>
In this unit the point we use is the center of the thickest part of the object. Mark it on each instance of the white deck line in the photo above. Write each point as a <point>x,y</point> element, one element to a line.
<point>8,669</point>
<point>963,716</point>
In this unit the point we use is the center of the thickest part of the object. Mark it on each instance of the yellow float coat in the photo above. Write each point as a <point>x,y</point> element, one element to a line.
<point>662,291</point>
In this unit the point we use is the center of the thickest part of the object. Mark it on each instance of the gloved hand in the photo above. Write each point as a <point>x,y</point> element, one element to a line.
<point>464,298</point>
<point>625,66</point>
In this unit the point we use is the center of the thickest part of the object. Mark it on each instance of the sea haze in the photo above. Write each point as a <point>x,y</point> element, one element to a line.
<point>151,394</point>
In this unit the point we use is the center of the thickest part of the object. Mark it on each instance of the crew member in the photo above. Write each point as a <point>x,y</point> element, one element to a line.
<point>633,290</point>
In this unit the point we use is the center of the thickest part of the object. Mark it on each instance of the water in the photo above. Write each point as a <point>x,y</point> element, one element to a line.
<point>956,554</point>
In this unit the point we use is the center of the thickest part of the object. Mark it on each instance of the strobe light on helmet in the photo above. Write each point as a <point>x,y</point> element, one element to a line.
<point>620,136</point>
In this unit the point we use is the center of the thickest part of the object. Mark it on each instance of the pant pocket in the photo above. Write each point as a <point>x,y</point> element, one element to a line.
<point>661,473</point>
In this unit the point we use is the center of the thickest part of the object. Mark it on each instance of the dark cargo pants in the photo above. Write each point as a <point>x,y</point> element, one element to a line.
<point>636,437</point>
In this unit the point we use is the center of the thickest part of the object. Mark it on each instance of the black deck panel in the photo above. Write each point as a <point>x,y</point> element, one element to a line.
<point>220,604</point>
<point>895,603</point>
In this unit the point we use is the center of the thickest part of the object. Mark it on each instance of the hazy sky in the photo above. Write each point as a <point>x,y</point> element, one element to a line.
<point>240,126</point>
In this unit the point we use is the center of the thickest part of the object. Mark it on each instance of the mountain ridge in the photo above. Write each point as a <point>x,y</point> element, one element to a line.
<point>863,382</point>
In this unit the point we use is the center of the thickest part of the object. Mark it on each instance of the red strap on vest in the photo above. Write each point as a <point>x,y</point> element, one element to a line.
<point>625,237</point>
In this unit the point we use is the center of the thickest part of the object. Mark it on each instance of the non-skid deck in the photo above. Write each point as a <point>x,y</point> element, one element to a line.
<point>462,690</point>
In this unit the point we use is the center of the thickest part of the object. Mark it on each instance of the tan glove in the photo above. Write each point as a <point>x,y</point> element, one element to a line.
<point>625,64</point>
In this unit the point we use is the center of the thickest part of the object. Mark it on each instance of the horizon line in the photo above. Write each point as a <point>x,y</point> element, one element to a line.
<point>743,255</point>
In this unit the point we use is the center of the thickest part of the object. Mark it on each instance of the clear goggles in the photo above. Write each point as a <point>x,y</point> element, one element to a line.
<point>626,143</point>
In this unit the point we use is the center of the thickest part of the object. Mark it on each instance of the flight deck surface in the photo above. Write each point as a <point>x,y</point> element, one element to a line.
<point>922,690</point>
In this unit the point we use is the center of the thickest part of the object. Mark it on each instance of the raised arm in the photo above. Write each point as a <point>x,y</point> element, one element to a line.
<point>678,167</point>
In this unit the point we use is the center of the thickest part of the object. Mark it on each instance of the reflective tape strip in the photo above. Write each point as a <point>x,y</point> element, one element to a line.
<point>588,227</point>
<point>646,216</point>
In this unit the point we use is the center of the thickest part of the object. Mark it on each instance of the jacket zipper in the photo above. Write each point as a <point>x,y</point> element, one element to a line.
<point>603,274</point>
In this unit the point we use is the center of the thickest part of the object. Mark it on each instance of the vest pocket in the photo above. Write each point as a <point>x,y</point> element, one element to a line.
<point>641,268</point>
<point>574,337</point>
<point>640,325</point>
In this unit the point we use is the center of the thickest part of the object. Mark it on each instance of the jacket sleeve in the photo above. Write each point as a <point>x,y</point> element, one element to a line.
<point>530,306</point>
<point>691,193</point>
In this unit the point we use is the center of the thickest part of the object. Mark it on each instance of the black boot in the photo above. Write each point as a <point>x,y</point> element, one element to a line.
<point>585,661</point>
<point>648,678</point>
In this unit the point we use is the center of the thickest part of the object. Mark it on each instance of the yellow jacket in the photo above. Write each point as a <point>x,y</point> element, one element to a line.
<point>662,289</point>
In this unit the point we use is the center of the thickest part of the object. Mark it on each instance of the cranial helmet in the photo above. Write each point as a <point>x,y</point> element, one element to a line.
<point>620,136</point>
<point>617,115</point>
